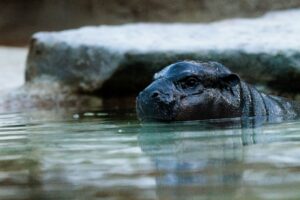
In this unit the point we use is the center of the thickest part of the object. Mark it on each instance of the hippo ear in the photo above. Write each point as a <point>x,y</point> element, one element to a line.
<point>229,80</point>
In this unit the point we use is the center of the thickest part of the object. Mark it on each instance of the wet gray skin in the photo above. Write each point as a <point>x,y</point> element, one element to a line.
<point>192,90</point>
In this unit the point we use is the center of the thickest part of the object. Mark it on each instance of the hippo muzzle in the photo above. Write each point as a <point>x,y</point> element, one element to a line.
<point>159,101</point>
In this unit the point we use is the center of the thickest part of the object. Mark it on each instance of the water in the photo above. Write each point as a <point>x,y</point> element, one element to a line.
<point>108,154</point>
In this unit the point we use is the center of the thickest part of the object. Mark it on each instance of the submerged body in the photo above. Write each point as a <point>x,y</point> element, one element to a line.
<point>191,90</point>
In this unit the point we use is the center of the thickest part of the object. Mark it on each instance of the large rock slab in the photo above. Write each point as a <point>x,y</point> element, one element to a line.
<point>122,59</point>
<point>52,14</point>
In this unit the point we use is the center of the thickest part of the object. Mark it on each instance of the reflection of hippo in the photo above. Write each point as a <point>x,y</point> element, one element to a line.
<point>192,161</point>
<point>191,90</point>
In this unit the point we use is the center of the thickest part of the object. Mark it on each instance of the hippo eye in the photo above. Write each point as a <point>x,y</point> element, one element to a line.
<point>189,82</point>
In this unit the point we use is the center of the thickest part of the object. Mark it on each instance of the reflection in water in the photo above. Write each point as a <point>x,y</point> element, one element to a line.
<point>209,158</point>
<point>189,159</point>
<point>109,155</point>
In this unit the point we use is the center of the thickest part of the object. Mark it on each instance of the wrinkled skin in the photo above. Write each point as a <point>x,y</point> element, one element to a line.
<point>191,90</point>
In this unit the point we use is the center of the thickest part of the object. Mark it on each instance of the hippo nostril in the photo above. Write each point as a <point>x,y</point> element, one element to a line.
<point>155,94</point>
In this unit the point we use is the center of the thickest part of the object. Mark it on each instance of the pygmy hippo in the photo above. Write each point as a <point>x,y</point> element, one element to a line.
<point>191,90</point>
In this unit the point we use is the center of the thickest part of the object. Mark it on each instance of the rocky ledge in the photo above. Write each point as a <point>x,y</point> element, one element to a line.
<point>117,60</point>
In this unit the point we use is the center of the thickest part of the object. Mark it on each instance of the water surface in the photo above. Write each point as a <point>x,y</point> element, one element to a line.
<point>108,154</point>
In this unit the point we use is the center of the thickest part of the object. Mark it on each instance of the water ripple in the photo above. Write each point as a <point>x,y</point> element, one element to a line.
<point>108,156</point>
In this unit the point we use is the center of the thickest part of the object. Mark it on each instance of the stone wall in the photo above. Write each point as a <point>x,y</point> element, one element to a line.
<point>19,19</point>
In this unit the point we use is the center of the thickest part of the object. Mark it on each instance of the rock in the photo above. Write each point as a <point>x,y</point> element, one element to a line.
<point>51,14</point>
<point>37,97</point>
<point>122,59</point>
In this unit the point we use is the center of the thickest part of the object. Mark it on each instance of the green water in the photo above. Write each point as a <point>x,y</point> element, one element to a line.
<point>110,155</point>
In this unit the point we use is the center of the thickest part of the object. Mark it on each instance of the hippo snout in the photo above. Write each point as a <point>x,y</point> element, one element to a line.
<point>154,103</point>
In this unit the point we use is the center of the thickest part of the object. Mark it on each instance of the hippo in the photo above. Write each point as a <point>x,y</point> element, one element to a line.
<point>195,90</point>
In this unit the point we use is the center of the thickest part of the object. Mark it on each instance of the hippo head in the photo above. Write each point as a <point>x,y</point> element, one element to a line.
<point>190,90</point>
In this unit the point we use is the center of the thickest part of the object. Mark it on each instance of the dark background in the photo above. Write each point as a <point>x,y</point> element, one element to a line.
<point>19,19</point>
